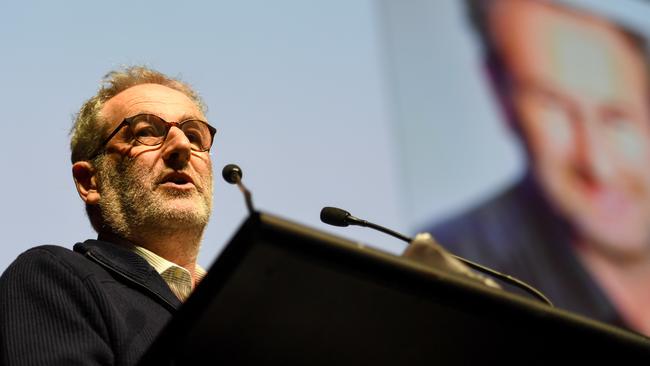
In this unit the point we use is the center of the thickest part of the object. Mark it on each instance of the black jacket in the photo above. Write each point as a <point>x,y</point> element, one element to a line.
<point>100,304</point>
<point>518,233</point>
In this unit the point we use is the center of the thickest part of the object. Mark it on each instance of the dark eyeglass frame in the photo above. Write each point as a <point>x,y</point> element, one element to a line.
<point>168,126</point>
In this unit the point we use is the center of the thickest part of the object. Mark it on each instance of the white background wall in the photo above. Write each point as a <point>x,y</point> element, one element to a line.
<point>376,106</point>
<point>295,88</point>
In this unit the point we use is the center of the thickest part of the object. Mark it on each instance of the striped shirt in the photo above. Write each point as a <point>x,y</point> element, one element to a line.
<point>178,278</point>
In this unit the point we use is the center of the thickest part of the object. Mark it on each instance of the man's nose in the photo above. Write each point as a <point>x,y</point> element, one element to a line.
<point>176,148</point>
<point>592,151</point>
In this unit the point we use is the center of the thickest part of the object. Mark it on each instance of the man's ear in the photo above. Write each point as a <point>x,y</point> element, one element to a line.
<point>85,178</point>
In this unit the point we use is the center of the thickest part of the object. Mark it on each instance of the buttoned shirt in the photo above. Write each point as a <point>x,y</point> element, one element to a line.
<point>178,278</point>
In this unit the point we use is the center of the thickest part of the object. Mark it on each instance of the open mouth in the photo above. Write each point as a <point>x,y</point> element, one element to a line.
<point>177,179</point>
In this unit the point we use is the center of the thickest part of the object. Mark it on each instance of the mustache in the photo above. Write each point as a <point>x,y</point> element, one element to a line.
<point>184,175</point>
<point>127,166</point>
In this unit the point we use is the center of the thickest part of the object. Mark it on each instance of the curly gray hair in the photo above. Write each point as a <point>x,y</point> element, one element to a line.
<point>87,132</point>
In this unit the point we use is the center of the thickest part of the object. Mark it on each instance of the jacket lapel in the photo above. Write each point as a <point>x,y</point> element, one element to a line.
<point>131,267</point>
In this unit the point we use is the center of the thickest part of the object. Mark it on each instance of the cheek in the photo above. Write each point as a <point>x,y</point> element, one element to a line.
<point>145,157</point>
<point>203,167</point>
<point>549,134</point>
<point>631,145</point>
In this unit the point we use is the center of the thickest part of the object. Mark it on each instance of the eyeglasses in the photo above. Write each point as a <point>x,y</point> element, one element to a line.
<point>151,130</point>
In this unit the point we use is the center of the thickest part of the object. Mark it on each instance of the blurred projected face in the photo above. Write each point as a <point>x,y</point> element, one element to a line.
<point>580,91</point>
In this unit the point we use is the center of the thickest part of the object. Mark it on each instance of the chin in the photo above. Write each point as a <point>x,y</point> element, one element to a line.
<point>185,219</point>
<point>624,252</point>
<point>619,241</point>
<point>181,213</point>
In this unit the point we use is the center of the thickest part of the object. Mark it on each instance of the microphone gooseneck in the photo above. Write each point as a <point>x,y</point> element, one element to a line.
<point>233,174</point>
<point>339,217</point>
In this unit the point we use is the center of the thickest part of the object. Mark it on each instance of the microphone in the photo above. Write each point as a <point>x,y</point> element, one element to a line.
<point>339,217</point>
<point>233,174</point>
<point>335,216</point>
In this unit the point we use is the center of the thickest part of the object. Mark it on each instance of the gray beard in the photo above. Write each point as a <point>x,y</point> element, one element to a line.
<point>130,205</point>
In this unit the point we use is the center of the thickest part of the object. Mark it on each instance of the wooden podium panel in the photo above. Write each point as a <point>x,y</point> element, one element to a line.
<point>282,293</point>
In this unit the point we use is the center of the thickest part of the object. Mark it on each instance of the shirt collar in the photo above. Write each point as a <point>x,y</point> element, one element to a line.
<point>161,264</point>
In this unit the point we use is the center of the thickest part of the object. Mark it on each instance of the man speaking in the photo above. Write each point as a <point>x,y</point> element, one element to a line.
<point>141,163</point>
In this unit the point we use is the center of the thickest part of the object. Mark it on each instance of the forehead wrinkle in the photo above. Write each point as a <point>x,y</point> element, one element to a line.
<point>150,107</point>
<point>167,105</point>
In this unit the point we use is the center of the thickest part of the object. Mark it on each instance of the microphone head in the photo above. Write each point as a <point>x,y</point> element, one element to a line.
<point>232,173</point>
<point>334,216</point>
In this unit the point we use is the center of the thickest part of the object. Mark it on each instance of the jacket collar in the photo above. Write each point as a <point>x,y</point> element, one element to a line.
<point>117,258</point>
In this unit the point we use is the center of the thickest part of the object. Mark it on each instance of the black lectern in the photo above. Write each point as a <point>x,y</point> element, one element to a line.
<point>282,293</point>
